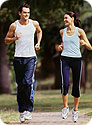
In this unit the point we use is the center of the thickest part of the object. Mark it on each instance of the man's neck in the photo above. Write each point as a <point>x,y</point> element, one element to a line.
<point>23,22</point>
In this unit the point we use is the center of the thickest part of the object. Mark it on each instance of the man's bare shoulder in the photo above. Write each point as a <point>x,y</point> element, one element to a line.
<point>13,26</point>
<point>36,23</point>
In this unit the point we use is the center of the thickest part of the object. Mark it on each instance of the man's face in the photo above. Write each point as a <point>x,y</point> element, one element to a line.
<point>25,14</point>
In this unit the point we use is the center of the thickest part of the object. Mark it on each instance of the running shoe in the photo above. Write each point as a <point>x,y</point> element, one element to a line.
<point>74,115</point>
<point>65,112</point>
<point>26,115</point>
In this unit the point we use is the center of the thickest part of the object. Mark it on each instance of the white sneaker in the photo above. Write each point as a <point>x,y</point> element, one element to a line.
<point>65,112</point>
<point>26,115</point>
<point>22,117</point>
<point>74,115</point>
<point>1,122</point>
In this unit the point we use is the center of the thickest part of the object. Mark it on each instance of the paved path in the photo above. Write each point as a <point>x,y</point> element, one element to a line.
<point>53,118</point>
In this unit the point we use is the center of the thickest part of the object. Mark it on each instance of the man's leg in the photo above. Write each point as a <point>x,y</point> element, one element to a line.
<point>19,73</point>
<point>28,81</point>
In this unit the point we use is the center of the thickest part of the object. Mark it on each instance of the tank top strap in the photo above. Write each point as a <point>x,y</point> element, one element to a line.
<point>30,21</point>
<point>17,22</point>
<point>65,30</point>
<point>76,31</point>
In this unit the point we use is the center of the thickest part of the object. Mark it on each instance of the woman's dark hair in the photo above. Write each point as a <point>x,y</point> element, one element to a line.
<point>23,5</point>
<point>76,20</point>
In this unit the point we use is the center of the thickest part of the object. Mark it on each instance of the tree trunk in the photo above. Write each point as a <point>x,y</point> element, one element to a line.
<point>57,72</point>
<point>4,66</point>
<point>47,67</point>
<point>84,76</point>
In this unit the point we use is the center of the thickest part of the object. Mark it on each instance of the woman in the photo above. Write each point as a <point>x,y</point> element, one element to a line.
<point>72,36</point>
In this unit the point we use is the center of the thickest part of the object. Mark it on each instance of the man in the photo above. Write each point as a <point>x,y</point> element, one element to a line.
<point>22,32</point>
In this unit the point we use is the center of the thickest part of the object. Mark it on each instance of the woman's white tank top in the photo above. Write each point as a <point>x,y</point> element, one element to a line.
<point>71,47</point>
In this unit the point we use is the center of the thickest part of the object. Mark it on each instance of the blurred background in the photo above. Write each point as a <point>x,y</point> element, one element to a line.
<point>49,14</point>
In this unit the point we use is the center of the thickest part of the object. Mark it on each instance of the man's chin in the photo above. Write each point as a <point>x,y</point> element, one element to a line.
<point>66,24</point>
<point>26,19</point>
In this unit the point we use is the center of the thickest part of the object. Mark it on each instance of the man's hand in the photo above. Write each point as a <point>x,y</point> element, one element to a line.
<point>18,35</point>
<point>37,46</point>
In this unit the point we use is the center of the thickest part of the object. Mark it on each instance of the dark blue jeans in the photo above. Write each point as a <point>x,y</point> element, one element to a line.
<point>24,73</point>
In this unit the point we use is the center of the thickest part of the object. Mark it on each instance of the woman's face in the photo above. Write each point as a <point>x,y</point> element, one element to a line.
<point>68,20</point>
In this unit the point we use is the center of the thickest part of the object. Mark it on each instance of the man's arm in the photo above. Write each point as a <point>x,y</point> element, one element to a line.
<point>10,35</point>
<point>39,34</point>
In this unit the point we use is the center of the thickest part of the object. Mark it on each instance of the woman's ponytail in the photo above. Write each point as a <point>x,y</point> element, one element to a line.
<point>77,22</point>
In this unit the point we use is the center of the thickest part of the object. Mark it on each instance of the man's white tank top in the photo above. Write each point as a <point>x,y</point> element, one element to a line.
<point>24,46</point>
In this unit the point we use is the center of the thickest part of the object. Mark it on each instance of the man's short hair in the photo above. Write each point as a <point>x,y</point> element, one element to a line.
<point>23,5</point>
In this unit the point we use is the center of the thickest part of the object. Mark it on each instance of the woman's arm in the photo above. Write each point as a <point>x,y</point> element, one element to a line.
<point>85,41</point>
<point>60,47</point>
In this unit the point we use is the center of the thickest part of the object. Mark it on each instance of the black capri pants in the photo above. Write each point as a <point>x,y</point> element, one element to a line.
<point>75,64</point>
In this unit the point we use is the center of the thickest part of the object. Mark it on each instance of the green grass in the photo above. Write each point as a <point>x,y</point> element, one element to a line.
<point>44,101</point>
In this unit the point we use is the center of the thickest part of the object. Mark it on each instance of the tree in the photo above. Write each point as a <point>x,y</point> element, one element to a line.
<point>50,16</point>
<point>7,16</point>
<point>4,63</point>
<point>86,17</point>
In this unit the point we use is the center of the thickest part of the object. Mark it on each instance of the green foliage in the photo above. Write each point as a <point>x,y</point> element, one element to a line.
<point>5,15</point>
<point>72,5</point>
<point>85,18</point>
<point>50,16</point>
<point>5,18</point>
<point>11,53</point>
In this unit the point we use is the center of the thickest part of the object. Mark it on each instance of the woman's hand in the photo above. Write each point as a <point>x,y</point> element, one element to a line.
<point>60,47</point>
<point>82,42</point>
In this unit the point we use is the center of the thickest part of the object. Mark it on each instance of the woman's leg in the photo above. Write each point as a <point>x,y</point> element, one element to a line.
<point>64,80</point>
<point>65,86</point>
<point>65,100</point>
<point>76,103</point>
<point>76,72</point>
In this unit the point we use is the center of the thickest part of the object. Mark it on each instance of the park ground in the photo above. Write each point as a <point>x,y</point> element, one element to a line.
<point>47,108</point>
